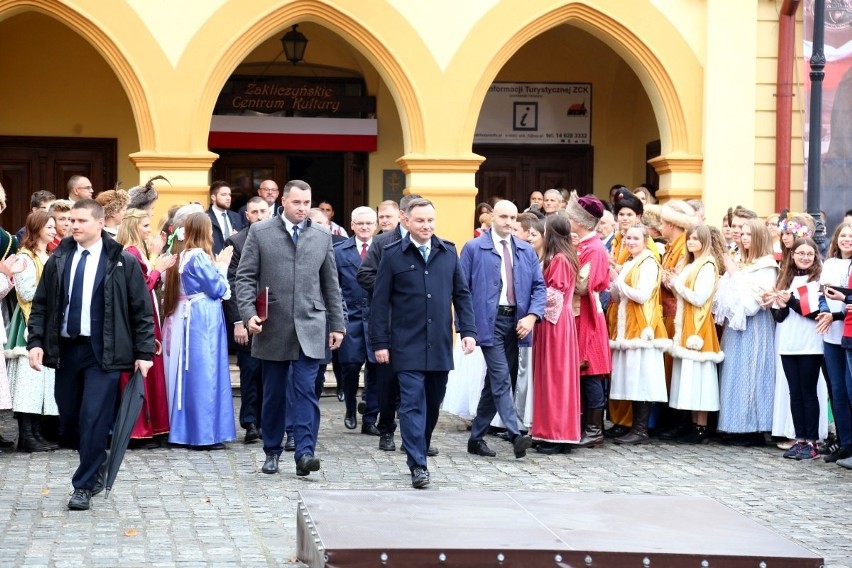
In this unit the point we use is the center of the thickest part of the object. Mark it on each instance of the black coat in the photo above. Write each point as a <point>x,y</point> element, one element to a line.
<point>237,223</point>
<point>121,302</point>
<point>232,310</point>
<point>412,308</point>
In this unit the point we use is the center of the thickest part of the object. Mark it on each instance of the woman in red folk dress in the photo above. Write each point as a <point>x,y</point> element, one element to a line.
<point>133,233</point>
<point>556,364</point>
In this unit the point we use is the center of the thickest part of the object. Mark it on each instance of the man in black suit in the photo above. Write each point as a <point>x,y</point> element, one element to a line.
<point>92,312</point>
<point>386,383</point>
<point>225,222</point>
<point>419,282</point>
<point>251,397</point>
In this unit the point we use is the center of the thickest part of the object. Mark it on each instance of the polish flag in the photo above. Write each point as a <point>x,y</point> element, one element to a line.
<point>809,298</point>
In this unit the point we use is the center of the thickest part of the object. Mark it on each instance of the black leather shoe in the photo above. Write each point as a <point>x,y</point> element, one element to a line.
<point>548,448</point>
<point>419,477</point>
<point>676,432</point>
<point>386,442</point>
<point>480,448</point>
<point>270,466</point>
<point>504,436</point>
<point>252,434</point>
<point>290,444</point>
<point>81,500</point>
<point>362,407</point>
<point>306,464</point>
<point>4,443</point>
<point>617,431</point>
<point>341,396</point>
<point>520,445</point>
<point>432,452</point>
<point>370,428</point>
<point>350,422</point>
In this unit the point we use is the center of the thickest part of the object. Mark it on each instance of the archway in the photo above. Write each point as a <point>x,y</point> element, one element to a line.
<point>69,113</point>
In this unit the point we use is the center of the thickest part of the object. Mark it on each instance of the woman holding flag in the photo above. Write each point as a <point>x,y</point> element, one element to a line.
<point>795,306</point>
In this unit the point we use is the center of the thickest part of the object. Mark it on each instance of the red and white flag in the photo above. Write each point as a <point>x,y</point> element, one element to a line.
<point>809,298</point>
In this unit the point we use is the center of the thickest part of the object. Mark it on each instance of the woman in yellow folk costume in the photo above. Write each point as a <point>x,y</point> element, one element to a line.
<point>676,218</point>
<point>695,345</point>
<point>628,211</point>
<point>639,338</point>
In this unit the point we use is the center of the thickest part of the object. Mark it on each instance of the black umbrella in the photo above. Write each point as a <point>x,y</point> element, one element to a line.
<point>125,420</point>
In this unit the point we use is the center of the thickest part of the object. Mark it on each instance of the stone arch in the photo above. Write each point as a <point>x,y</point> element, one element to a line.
<point>660,88</point>
<point>349,29</point>
<point>104,45</point>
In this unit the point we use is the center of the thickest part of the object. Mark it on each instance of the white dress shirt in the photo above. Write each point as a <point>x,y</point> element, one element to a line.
<point>498,246</point>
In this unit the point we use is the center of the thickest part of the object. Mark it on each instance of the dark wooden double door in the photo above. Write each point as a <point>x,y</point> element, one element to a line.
<point>337,177</point>
<point>512,172</point>
<point>29,164</point>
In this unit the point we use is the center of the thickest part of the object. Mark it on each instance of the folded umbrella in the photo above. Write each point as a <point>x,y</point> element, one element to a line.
<point>128,414</point>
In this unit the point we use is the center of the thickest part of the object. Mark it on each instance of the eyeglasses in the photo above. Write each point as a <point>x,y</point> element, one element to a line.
<point>364,223</point>
<point>801,254</point>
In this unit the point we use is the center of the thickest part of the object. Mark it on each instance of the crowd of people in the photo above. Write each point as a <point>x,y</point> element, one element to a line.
<point>569,313</point>
<point>680,329</point>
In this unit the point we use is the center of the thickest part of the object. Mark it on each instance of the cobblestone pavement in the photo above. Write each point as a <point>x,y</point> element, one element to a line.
<point>178,507</point>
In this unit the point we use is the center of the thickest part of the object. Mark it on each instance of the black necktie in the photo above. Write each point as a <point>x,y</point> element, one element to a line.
<point>76,304</point>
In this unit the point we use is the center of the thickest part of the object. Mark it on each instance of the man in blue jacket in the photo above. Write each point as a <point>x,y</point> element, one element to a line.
<point>418,282</point>
<point>509,295</point>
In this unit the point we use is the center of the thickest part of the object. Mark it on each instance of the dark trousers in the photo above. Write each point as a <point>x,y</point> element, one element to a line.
<point>387,387</point>
<point>251,389</point>
<point>294,380</point>
<point>840,383</point>
<point>593,391</point>
<point>420,397</point>
<point>496,397</point>
<point>86,396</point>
<point>802,375</point>
<point>350,373</point>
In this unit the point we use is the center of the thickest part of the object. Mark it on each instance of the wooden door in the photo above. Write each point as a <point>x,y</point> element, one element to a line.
<point>337,177</point>
<point>30,163</point>
<point>512,172</point>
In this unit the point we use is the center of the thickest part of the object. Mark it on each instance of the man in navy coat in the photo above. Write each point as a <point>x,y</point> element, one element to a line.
<point>509,295</point>
<point>418,282</point>
<point>354,352</point>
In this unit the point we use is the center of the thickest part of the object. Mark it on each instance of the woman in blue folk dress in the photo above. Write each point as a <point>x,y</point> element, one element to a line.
<point>747,382</point>
<point>199,384</point>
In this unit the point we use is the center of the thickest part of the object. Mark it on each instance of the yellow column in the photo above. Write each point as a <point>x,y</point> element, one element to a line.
<point>449,182</point>
<point>680,176</point>
<point>188,175</point>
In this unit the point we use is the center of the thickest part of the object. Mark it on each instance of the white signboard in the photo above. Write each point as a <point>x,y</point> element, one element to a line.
<point>536,113</point>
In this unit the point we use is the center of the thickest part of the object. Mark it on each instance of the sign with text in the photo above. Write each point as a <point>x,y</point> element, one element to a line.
<point>296,96</point>
<point>536,113</point>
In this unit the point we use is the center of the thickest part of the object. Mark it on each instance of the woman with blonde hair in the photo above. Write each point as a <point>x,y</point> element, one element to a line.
<point>695,345</point>
<point>639,337</point>
<point>199,381</point>
<point>747,382</point>
<point>135,234</point>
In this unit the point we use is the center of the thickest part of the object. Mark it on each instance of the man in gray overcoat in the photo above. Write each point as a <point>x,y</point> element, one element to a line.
<point>296,262</point>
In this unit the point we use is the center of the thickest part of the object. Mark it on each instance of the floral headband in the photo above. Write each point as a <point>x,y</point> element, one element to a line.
<point>797,229</point>
<point>179,233</point>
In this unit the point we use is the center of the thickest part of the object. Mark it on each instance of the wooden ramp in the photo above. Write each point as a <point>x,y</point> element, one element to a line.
<point>406,529</point>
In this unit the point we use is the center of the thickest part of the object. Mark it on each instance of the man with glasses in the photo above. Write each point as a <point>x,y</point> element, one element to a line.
<point>355,352</point>
<point>268,191</point>
<point>79,187</point>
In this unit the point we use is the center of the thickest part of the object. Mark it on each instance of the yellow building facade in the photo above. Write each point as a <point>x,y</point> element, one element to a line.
<point>692,79</point>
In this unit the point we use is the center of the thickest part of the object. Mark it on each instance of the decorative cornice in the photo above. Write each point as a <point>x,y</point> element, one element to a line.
<point>677,163</point>
<point>171,162</point>
<point>435,163</point>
